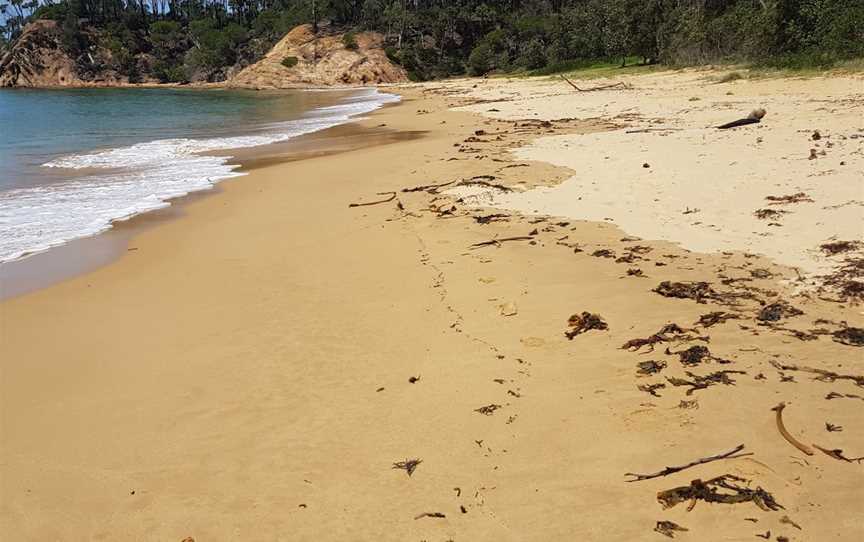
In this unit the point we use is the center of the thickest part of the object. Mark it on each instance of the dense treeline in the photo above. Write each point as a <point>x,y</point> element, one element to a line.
<point>181,39</point>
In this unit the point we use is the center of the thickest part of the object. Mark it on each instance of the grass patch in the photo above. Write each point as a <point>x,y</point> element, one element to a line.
<point>290,61</point>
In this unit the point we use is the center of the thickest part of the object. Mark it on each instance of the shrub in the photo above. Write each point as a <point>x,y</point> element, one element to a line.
<point>349,40</point>
<point>289,61</point>
<point>480,61</point>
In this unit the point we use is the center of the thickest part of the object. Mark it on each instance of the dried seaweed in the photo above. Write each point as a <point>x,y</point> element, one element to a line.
<point>698,291</point>
<point>580,323</point>
<point>430,515</point>
<point>724,489</point>
<point>850,336</point>
<point>717,317</point>
<point>781,427</point>
<point>646,368</point>
<point>702,382</point>
<point>823,375</point>
<point>669,528</point>
<point>777,311</point>
<point>603,253</point>
<point>487,410</point>
<point>651,388</point>
<point>800,197</point>
<point>409,465</point>
<point>837,454</point>
<point>695,355</point>
<point>768,214</point>
<point>668,333</point>
<point>486,219</point>
<point>839,247</point>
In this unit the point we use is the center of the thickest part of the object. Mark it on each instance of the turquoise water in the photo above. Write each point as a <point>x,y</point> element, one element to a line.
<point>74,161</point>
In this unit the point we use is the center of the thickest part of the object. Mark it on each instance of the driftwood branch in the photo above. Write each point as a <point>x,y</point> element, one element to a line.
<point>497,242</point>
<point>731,454</point>
<point>782,428</point>
<point>601,87</point>
<point>391,198</point>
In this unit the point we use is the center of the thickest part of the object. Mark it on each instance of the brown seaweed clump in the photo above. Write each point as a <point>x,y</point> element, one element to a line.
<point>698,291</point>
<point>839,247</point>
<point>777,311</point>
<point>850,336</point>
<point>580,323</point>
<point>726,489</point>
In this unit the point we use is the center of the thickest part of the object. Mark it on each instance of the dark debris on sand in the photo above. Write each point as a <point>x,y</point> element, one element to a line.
<point>698,291</point>
<point>580,323</point>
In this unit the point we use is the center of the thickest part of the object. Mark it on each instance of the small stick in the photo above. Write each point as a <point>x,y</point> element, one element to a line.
<point>782,428</point>
<point>602,87</point>
<point>838,454</point>
<point>731,454</point>
<point>391,198</point>
<point>427,188</point>
<point>497,242</point>
<point>430,515</point>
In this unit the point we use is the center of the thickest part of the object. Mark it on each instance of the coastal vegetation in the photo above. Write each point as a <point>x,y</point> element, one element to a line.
<point>208,40</point>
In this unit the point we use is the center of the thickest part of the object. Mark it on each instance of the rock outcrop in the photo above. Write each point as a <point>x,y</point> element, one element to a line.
<point>322,60</point>
<point>38,59</point>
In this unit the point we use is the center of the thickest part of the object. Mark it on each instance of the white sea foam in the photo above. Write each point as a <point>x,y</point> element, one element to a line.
<point>140,178</point>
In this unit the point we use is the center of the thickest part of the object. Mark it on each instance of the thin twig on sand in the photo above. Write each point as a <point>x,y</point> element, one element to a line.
<point>391,198</point>
<point>731,454</point>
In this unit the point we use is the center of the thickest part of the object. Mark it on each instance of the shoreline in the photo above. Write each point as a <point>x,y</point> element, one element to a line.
<point>258,366</point>
<point>82,254</point>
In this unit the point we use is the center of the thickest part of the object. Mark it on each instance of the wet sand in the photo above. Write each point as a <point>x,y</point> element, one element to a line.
<point>254,370</point>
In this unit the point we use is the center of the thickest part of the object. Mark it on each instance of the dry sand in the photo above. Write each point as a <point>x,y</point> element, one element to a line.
<point>244,373</point>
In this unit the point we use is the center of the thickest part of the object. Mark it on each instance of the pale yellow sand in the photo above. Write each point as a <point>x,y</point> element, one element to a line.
<point>221,381</point>
<point>701,185</point>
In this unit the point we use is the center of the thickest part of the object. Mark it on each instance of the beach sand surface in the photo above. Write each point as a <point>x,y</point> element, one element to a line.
<point>253,369</point>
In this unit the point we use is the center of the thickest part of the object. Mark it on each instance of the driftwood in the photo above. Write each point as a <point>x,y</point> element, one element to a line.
<point>409,465</point>
<point>497,242</point>
<point>731,454</point>
<point>786,435</point>
<point>391,198</point>
<point>754,117</point>
<point>621,85</point>
<point>710,491</point>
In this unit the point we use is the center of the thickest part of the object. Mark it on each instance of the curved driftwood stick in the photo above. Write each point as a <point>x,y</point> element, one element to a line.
<point>782,428</point>
<point>391,198</point>
<point>731,454</point>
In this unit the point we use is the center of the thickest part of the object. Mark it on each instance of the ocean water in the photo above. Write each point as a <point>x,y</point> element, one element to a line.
<point>72,162</point>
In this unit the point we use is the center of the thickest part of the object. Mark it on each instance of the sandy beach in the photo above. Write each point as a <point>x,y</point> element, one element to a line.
<point>255,368</point>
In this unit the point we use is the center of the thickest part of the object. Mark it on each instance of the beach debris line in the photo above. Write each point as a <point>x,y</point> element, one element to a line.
<point>725,489</point>
<point>799,197</point>
<point>391,198</point>
<point>702,382</point>
<point>754,117</point>
<point>668,528</point>
<point>668,333</point>
<point>409,465</point>
<point>734,453</point>
<point>581,323</point>
<point>785,433</point>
